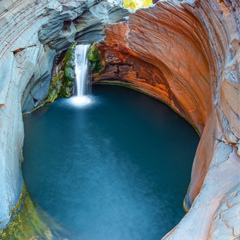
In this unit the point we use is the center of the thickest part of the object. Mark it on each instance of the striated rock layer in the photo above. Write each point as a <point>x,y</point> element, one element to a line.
<point>32,32</point>
<point>187,53</point>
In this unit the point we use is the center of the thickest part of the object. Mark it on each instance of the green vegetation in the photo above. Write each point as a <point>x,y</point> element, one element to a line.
<point>55,87</point>
<point>95,57</point>
<point>63,80</point>
<point>94,54</point>
<point>68,66</point>
<point>135,4</point>
<point>29,224</point>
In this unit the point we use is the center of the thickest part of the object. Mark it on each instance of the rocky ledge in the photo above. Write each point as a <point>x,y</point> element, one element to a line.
<point>187,54</point>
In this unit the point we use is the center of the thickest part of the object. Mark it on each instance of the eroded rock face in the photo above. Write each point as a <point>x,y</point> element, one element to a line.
<point>31,34</point>
<point>187,54</point>
<point>164,55</point>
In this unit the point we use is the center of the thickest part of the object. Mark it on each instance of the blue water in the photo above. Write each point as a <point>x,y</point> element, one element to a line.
<point>116,169</point>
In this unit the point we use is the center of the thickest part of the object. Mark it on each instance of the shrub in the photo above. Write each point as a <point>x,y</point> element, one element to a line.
<point>134,4</point>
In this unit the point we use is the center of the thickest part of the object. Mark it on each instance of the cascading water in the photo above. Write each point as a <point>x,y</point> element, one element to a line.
<point>81,71</point>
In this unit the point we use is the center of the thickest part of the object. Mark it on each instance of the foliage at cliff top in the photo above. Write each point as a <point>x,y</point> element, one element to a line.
<point>135,4</point>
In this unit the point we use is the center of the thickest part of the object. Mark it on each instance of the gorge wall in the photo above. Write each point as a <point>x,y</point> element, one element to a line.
<point>185,53</point>
<point>32,32</point>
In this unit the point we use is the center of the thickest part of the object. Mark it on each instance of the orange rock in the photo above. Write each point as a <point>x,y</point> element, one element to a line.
<point>186,53</point>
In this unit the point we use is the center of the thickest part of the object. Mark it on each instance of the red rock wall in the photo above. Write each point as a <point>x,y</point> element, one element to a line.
<point>164,52</point>
<point>186,53</point>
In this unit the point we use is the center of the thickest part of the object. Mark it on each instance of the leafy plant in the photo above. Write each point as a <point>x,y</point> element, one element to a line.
<point>135,4</point>
<point>95,57</point>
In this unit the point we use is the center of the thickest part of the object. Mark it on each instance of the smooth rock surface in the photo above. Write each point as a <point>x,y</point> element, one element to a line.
<point>187,54</point>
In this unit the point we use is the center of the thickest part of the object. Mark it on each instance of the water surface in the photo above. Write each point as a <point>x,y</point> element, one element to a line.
<point>116,169</point>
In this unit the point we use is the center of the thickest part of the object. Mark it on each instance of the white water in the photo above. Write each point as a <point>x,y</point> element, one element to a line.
<point>81,70</point>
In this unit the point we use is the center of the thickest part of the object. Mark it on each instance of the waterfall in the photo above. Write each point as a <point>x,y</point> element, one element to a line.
<point>81,71</point>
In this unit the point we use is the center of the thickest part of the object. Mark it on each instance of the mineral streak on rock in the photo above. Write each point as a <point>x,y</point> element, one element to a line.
<point>187,54</point>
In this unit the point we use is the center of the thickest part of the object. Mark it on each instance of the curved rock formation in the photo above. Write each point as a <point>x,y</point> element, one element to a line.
<point>31,34</point>
<point>186,53</point>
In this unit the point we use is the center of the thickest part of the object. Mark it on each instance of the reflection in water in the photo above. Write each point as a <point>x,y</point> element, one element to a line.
<point>115,170</point>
